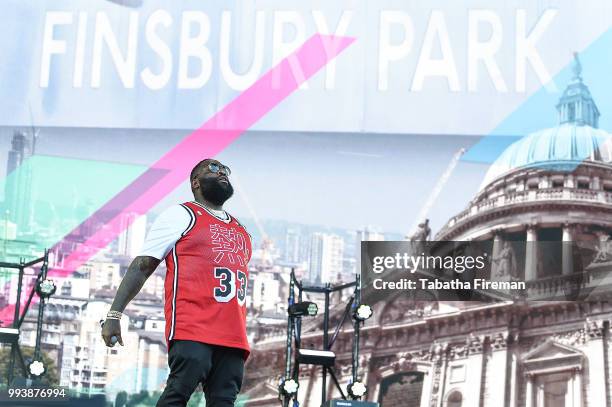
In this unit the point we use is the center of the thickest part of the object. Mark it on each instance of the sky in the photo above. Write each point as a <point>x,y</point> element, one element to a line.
<point>341,180</point>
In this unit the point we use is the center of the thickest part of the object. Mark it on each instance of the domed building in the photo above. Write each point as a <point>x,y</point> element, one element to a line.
<point>553,190</point>
<point>546,202</point>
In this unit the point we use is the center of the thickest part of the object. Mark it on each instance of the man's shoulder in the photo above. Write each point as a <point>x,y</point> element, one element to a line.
<point>239,223</point>
<point>174,212</point>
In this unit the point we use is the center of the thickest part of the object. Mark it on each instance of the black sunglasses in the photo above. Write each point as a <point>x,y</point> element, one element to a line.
<point>219,168</point>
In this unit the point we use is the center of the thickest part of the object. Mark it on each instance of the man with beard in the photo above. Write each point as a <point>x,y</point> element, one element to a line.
<point>206,252</point>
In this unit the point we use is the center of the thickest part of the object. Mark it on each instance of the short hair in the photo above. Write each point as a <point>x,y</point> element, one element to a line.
<point>198,167</point>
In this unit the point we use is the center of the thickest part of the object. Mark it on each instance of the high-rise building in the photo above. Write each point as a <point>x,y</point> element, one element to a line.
<point>364,235</point>
<point>154,285</point>
<point>266,291</point>
<point>17,190</point>
<point>8,230</point>
<point>326,255</point>
<point>369,234</point>
<point>133,236</point>
<point>73,286</point>
<point>292,246</point>
<point>102,274</point>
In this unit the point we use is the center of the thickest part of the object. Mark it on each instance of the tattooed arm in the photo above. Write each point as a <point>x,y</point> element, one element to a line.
<point>140,269</point>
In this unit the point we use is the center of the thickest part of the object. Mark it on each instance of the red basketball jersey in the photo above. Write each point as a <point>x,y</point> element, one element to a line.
<point>206,281</point>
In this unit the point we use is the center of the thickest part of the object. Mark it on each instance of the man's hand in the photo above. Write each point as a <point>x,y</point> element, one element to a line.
<point>140,269</point>
<point>111,327</point>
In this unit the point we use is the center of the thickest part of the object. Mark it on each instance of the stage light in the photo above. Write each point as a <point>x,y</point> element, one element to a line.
<point>289,387</point>
<point>36,368</point>
<point>316,357</point>
<point>304,308</point>
<point>46,288</point>
<point>356,389</point>
<point>363,312</point>
<point>312,309</point>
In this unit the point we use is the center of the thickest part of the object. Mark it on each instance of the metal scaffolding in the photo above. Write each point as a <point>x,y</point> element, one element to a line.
<point>10,335</point>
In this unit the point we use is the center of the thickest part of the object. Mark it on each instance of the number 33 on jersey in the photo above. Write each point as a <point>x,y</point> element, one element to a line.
<point>207,280</point>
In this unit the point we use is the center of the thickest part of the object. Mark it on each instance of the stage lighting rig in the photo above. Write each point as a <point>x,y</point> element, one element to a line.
<point>288,387</point>
<point>36,368</point>
<point>46,288</point>
<point>316,357</point>
<point>363,312</point>
<point>356,389</point>
<point>304,308</point>
<point>296,355</point>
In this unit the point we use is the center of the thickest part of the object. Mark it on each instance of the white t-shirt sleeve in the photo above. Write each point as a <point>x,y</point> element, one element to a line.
<point>165,231</point>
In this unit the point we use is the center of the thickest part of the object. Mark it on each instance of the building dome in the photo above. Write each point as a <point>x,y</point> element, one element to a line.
<point>568,143</point>
<point>556,181</point>
<point>576,139</point>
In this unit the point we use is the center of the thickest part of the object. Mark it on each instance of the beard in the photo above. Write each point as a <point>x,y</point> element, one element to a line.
<point>216,192</point>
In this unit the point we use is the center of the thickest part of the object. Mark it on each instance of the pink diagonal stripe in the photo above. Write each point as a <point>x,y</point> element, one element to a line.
<point>207,141</point>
